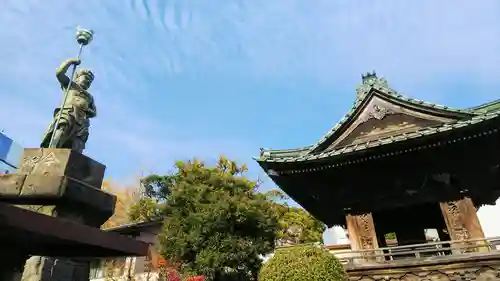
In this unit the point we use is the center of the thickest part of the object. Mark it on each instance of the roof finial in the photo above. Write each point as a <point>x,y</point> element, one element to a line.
<point>368,77</point>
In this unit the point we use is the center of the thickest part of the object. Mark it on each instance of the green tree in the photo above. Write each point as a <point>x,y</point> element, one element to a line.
<point>126,197</point>
<point>297,226</point>
<point>145,209</point>
<point>391,235</point>
<point>216,223</point>
<point>300,263</point>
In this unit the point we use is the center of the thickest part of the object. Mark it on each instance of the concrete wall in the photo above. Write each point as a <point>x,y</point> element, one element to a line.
<point>124,276</point>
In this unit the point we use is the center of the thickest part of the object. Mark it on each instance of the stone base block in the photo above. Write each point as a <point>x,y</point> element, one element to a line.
<point>62,162</point>
<point>69,180</point>
<point>61,191</point>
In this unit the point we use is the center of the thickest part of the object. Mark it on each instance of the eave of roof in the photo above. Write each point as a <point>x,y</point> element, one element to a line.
<point>487,107</point>
<point>284,153</point>
<point>135,226</point>
<point>382,141</point>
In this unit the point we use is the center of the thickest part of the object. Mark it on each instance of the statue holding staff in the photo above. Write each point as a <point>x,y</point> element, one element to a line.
<point>70,125</point>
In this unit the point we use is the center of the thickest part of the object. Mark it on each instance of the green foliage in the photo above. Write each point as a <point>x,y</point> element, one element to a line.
<point>297,226</point>
<point>390,235</point>
<point>145,209</point>
<point>300,263</point>
<point>216,223</point>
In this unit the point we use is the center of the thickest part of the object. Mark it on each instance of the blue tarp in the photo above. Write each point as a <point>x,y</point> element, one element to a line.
<point>6,169</point>
<point>10,152</point>
<point>5,144</point>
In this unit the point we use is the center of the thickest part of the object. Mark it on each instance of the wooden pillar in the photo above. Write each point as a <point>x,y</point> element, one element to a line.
<point>461,220</point>
<point>362,232</point>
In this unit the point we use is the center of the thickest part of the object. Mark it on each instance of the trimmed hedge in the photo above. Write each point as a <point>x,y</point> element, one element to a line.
<point>302,263</point>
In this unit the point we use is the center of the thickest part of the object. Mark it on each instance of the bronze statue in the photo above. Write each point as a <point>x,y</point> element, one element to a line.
<point>72,120</point>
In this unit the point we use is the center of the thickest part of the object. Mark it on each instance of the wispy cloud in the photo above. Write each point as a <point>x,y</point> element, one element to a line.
<point>153,147</point>
<point>182,78</point>
<point>149,56</point>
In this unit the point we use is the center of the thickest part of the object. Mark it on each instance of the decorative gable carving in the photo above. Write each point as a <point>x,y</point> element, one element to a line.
<point>381,118</point>
<point>376,112</point>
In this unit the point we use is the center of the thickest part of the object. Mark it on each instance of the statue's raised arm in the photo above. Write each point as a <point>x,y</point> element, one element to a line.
<point>62,69</point>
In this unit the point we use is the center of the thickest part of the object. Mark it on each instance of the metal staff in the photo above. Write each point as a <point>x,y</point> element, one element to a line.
<point>83,37</point>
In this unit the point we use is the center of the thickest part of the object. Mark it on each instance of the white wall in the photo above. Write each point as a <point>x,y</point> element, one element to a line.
<point>149,236</point>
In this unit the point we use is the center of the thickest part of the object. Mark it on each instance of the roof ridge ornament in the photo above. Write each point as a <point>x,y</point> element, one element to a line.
<point>369,77</point>
<point>369,80</point>
<point>264,153</point>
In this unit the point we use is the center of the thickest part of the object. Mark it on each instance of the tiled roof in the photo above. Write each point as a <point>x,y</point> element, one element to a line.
<point>381,85</point>
<point>387,140</point>
<point>363,91</point>
<point>487,107</point>
<point>284,153</point>
<point>134,226</point>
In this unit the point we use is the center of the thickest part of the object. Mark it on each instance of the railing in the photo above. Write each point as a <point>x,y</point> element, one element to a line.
<point>432,250</point>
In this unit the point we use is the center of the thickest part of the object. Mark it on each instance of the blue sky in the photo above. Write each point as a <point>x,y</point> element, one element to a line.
<point>177,79</point>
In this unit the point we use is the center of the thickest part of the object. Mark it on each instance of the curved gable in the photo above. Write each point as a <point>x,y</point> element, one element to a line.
<point>379,113</point>
<point>381,118</point>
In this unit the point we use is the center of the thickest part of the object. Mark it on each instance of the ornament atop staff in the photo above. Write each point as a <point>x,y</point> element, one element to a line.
<point>71,121</point>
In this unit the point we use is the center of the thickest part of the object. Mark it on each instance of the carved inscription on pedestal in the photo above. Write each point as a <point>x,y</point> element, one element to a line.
<point>42,164</point>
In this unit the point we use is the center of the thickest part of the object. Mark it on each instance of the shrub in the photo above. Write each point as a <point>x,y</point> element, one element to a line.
<point>300,263</point>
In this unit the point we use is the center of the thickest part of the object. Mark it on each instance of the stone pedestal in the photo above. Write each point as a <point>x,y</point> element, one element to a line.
<point>66,179</point>
<point>71,182</point>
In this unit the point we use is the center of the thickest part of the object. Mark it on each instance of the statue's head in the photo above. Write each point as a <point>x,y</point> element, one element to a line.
<point>84,78</point>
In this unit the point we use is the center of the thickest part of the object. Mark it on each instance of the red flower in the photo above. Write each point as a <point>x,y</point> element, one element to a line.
<point>173,275</point>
